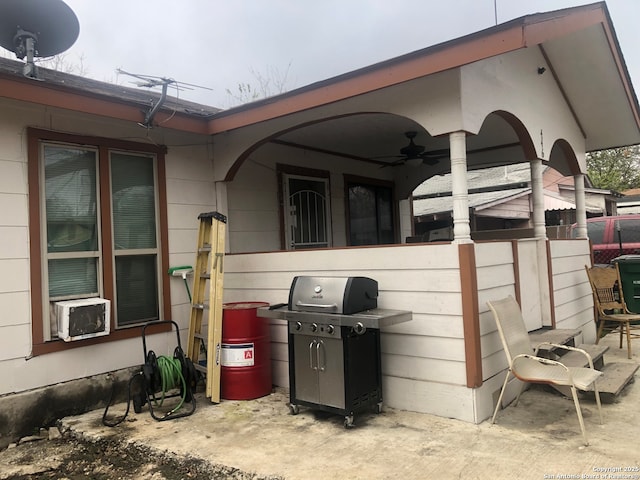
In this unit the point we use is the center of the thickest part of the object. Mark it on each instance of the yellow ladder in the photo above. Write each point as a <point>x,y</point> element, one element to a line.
<point>207,337</point>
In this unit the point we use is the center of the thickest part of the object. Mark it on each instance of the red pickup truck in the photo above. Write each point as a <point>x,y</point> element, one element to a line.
<point>612,236</point>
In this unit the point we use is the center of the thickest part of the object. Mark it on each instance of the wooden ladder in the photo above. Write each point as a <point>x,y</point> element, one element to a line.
<point>206,336</point>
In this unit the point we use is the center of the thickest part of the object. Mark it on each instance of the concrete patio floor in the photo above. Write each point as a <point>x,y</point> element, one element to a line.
<point>539,438</point>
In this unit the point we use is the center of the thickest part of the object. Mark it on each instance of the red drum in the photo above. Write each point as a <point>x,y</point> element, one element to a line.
<point>245,353</point>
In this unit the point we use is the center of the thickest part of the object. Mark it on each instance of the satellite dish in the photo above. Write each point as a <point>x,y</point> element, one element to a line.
<point>37,28</point>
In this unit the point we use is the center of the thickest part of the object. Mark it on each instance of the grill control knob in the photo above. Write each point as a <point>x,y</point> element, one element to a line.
<point>330,329</point>
<point>298,326</point>
<point>314,327</point>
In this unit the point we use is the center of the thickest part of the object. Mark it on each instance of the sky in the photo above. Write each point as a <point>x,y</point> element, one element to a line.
<point>219,44</point>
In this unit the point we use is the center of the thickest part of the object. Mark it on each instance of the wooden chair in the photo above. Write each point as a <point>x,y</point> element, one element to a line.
<point>610,306</point>
<point>527,366</point>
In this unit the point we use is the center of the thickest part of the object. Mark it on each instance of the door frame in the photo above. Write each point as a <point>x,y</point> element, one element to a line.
<point>284,172</point>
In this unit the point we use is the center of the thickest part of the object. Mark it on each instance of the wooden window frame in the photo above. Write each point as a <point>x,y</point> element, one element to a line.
<point>35,137</point>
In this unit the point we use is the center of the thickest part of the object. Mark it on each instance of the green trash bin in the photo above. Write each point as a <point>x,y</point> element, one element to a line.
<point>629,266</point>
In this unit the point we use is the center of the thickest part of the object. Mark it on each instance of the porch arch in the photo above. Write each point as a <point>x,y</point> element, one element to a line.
<point>406,124</point>
<point>563,158</point>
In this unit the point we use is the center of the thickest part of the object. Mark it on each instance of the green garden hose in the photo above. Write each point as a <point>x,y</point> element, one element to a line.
<point>170,370</point>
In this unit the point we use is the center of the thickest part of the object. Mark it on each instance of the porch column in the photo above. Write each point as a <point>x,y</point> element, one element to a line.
<point>537,191</point>
<point>581,207</point>
<point>459,190</point>
<point>540,238</point>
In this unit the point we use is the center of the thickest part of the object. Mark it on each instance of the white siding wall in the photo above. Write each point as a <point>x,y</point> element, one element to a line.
<point>573,306</point>
<point>573,301</point>
<point>189,192</point>
<point>15,326</point>
<point>423,362</point>
<point>254,222</point>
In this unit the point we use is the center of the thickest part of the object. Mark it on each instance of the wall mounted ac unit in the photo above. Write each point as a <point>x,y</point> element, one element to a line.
<point>83,318</point>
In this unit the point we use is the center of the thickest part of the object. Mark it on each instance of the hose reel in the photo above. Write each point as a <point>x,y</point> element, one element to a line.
<point>161,378</point>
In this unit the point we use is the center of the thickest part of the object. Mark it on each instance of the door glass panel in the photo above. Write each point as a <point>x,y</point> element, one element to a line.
<point>370,215</point>
<point>307,219</point>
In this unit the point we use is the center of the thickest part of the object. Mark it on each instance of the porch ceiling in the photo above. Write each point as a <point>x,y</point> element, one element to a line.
<point>378,138</point>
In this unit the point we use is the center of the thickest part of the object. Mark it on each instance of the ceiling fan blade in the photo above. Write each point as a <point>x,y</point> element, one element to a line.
<point>431,161</point>
<point>397,163</point>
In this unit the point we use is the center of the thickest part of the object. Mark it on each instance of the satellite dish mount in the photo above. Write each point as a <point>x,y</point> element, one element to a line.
<point>37,28</point>
<point>25,46</point>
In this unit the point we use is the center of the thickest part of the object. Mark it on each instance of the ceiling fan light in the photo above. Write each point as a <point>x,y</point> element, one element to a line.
<point>414,162</point>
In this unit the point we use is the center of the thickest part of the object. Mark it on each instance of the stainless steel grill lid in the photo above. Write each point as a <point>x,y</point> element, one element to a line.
<point>345,295</point>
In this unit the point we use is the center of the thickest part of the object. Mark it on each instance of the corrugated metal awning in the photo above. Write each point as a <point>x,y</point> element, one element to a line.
<point>555,202</point>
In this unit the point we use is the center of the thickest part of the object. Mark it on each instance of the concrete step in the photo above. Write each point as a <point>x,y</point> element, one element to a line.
<point>577,359</point>
<point>615,376</point>
<point>562,336</point>
<point>567,337</point>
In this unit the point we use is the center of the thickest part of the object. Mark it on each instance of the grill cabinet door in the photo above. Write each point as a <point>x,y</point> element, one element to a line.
<point>331,372</point>
<point>306,368</point>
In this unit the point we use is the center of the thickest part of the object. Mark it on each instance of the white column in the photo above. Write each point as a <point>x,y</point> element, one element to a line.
<point>581,206</point>
<point>537,191</point>
<point>459,189</point>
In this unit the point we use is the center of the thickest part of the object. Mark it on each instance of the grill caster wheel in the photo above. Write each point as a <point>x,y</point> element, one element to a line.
<point>348,422</point>
<point>378,408</point>
<point>294,409</point>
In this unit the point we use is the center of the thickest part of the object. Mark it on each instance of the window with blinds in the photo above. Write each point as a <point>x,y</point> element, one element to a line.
<point>78,218</point>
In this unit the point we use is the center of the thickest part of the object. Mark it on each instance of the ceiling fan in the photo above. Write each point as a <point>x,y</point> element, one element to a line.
<point>414,154</point>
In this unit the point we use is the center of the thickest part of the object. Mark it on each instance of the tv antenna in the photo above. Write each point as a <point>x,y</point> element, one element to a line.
<point>151,81</point>
<point>37,28</point>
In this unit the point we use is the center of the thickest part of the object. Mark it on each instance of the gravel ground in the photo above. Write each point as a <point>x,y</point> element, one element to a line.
<point>66,457</point>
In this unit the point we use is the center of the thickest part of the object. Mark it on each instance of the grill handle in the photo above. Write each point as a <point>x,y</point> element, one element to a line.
<point>333,306</point>
<point>311,344</point>
<point>320,353</point>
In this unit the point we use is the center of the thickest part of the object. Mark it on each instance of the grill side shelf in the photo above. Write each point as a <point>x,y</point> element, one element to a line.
<point>375,318</point>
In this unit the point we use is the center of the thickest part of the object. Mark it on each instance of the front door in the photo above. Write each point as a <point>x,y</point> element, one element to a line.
<point>306,212</point>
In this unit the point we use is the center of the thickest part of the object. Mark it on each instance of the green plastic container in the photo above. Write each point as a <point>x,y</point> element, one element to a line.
<point>629,266</point>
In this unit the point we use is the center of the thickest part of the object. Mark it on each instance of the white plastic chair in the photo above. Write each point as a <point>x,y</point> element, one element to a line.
<point>527,366</point>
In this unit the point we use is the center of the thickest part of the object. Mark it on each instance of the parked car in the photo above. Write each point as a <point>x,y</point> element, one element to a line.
<point>612,236</point>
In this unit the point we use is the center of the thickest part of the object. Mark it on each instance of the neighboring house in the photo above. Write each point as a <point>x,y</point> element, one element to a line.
<point>91,203</point>
<point>630,202</point>
<point>500,198</point>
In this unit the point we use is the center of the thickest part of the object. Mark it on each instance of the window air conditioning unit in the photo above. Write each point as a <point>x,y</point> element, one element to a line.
<point>83,318</point>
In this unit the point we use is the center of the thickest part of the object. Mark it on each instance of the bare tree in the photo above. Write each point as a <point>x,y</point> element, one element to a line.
<point>61,63</point>
<point>58,62</point>
<point>266,85</point>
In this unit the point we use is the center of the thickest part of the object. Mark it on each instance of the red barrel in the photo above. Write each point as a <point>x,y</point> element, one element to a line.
<point>246,352</point>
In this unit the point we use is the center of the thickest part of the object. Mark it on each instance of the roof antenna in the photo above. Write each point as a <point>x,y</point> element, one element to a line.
<point>37,28</point>
<point>495,10</point>
<point>150,81</point>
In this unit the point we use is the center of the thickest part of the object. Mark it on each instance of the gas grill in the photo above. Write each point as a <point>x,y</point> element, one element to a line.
<point>334,343</point>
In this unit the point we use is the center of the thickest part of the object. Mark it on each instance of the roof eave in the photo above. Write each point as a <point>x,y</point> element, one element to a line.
<point>523,32</point>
